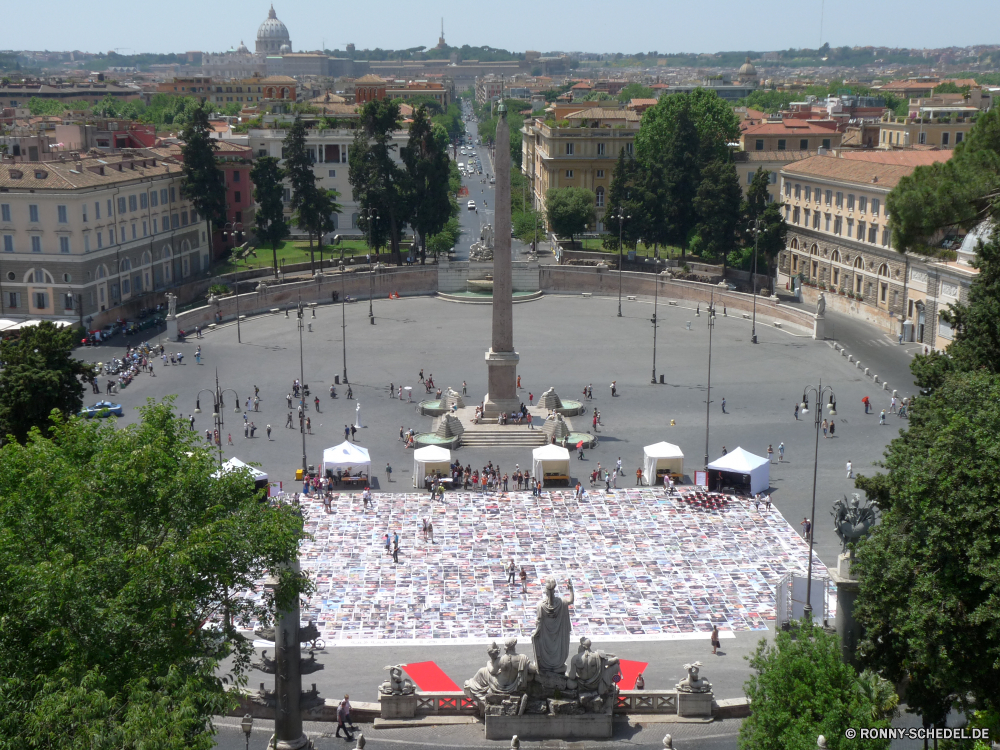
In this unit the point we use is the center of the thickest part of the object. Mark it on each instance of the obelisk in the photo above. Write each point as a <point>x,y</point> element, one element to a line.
<point>501,359</point>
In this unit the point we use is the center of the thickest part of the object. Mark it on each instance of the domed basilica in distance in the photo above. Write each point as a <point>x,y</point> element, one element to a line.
<point>272,39</point>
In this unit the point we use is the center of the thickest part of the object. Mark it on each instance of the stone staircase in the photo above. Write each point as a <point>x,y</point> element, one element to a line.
<point>508,436</point>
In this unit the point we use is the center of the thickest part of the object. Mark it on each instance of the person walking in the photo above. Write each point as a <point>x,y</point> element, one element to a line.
<point>388,472</point>
<point>309,428</point>
<point>892,406</point>
<point>354,431</point>
<point>343,717</point>
<point>881,417</point>
<point>430,531</point>
<point>867,403</point>
<point>832,428</point>
<point>850,469</point>
<point>268,428</point>
<point>288,421</point>
<point>315,401</point>
<point>230,438</point>
<point>614,388</point>
<point>781,452</point>
<point>638,477</point>
<point>246,429</point>
<point>723,404</point>
<point>465,389</point>
<point>388,543</point>
<point>770,454</point>
<point>191,420</point>
<point>796,412</point>
<point>347,432</point>
<point>531,426</point>
<point>288,400</point>
<point>392,390</point>
<point>825,428</point>
<point>511,572</point>
<point>715,639</point>
<point>524,580</point>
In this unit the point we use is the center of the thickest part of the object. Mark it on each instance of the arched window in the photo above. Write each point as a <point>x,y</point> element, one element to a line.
<point>600,197</point>
<point>859,263</point>
<point>836,256</point>
<point>814,250</point>
<point>102,271</point>
<point>38,276</point>
<point>883,270</point>
<point>166,251</point>
<point>146,257</point>
<point>125,265</point>
<point>185,245</point>
<point>795,243</point>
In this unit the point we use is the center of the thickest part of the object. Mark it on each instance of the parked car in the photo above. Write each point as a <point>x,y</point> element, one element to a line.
<point>472,205</point>
<point>109,330</point>
<point>102,409</point>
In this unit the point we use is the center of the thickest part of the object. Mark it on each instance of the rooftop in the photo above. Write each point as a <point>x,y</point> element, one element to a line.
<point>858,171</point>
<point>793,127</point>
<point>88,172</point>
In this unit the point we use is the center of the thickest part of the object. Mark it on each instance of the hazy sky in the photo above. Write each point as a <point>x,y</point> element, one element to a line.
<point>587,25</point>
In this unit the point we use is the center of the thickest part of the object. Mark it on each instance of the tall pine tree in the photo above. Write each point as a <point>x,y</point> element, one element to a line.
<point>305,193</point>
<point>378,182</point>
<point>204,182</point>
<point>428,171</point>
<point>766,215</point>
<point>717,207</point>
<point>269,220</point>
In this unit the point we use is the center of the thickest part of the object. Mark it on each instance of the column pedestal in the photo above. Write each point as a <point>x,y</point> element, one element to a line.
<point>172,329</point>
<point>502,396</point>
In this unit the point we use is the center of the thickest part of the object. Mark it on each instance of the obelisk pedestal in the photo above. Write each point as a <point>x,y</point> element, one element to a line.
<point>501,359</point>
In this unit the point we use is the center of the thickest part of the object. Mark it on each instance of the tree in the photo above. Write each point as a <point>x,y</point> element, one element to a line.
<point>569,210</point>
<point>801,689</point>
<point>117,546</point>
<point>427,168</point>
<point>717,206</point>
<point>316,216</point>
<point>39,375</point>
<point>713,118</point>
<point>766,214</point>
<point>204,185</point>
<point>960,192</point>
<point>378,182</point>
<point>299,171</point>
<point>678,162</point>
<point>623,200</point>
<point>634,91</point>
<point>928,572</point>
<point>270,224</point>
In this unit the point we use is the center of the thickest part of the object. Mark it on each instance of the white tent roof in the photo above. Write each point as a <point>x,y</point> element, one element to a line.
<point>550,453</point>
<point>432,454</point>
<point>234,464</point>
<point>738,460</point>
<point>346,454</point>
<point>663,450</point>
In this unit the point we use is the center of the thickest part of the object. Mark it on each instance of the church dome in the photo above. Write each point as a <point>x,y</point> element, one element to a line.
<point>747,70</point>
<point>285,49</point>
<point>272,35</point>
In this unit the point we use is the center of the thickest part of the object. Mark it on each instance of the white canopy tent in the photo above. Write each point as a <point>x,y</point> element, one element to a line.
<point>660,459</point>
<point>550,461</point>
<point>740,468</point>
<point>234,464</point>
<point>430,460</point>
<point>346,456</point>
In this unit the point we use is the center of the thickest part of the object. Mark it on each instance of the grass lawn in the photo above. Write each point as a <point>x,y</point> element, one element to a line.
<point>292,251</point>
<point>641,250</point>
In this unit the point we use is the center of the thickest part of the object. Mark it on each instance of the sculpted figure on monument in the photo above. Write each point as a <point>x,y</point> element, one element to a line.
<point>821,305</point>
<point>593,674</point>
<point>171,305</point>
<point>503,675</point>
<point>552,630</point>
<point>396,684</point>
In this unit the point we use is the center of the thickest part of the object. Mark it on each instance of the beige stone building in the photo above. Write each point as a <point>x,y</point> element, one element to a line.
<point>840,241</point>
<point>938,126</point>
<point>581,152</point>
<point>85,235</point>
<point>748,162</point>
<point>790,134</point>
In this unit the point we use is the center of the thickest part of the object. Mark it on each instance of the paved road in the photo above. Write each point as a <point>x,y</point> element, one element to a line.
<point>484,194</point>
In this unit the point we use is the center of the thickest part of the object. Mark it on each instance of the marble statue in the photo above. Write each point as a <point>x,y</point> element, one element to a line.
<point>396,684</point>
<point>502,676</point>
<point>852,519</point>
<point>693,683</point>
<point>357,419</point>
<point>821,305</point>
<point>171,305</point>
<point>552,630</point>
<point>592,674</point>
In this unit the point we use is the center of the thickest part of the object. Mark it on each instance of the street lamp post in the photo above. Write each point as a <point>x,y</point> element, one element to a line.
<point>247,725</point>
<point>831,406</point>
<point>756,234</point>
<point>708,398</point>
<point>370,215</point>
<point>217,404</point>
<point>621,221</point>
<point>235,232</point>
<point>300,321</point>
<point>656,297</point>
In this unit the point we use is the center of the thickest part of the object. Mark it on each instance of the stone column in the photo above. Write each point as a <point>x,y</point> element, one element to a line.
<point>501,359</point>
<point>288,733</point>
<point>848,629</point>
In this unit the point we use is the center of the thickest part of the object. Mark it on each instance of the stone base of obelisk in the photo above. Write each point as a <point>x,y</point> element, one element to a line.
<point>502,396</point>
<point>550,726</point>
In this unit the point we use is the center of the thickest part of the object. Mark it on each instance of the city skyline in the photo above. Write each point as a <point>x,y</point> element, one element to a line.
<point>715,26</point>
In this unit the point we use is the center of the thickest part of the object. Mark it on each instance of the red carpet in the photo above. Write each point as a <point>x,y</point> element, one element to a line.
<point>430,679</point>
<point>630,670</point>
